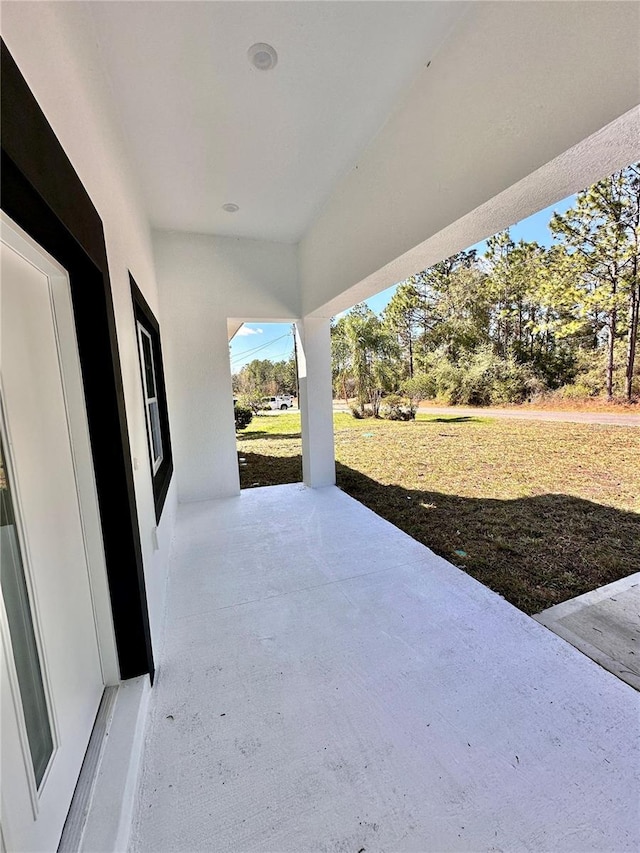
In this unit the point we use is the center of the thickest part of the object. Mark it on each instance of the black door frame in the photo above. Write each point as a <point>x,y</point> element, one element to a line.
<point>42,193</point>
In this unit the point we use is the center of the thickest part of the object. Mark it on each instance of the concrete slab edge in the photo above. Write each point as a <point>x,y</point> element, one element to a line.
<point>566,608</point>
<point>597,655</point>
<point>553,616</point>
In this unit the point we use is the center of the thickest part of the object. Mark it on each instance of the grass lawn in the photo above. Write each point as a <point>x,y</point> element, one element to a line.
<point>539,512</point>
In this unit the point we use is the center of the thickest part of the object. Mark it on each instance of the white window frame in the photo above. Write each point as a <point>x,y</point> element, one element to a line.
<point>148,401</point>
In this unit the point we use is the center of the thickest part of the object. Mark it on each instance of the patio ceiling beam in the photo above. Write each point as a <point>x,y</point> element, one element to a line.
<point>515,87</point>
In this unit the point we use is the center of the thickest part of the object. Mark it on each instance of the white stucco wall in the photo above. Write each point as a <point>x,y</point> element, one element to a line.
<point>203,281</point>
<point>516,85</point>
<point>48,42</point>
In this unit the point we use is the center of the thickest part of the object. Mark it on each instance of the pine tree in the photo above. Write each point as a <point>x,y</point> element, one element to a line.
<point>602,231</point>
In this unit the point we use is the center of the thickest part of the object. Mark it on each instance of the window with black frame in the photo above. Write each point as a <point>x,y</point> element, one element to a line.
<point>154,396</point>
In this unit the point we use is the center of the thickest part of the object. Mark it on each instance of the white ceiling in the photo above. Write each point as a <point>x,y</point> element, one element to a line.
<point>206,128</point>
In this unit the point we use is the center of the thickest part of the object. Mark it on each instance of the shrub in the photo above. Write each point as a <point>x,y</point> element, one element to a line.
<point>396,408</point>
<point>359,414</point>
<point>591,373</point>
<point>448,381</point>
<point>422,386</point>
<point>244,416</point>
<point>576,391</point>
<point>253,401</point>
<point>482,378</point>
<point>513,382</point>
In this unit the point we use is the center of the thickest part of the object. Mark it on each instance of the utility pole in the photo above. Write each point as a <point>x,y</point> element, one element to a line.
<point>295,356</point>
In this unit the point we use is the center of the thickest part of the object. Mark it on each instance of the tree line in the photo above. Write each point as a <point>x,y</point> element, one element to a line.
<point>519,321</point>
<point>263,377</point>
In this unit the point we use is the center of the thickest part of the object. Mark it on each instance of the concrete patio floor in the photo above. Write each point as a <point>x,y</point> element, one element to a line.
<point>604,624</point>
<point>329,684</point>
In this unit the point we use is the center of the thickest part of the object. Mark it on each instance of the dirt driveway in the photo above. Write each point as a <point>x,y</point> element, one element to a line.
<point>615,418</point>
<point>537,415</point>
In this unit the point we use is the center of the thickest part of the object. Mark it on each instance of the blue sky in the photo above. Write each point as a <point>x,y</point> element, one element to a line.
<point>275,341</point>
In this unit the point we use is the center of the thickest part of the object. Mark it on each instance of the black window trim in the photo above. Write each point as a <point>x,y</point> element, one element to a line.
<point>148,397</point>
<point>161,479</point>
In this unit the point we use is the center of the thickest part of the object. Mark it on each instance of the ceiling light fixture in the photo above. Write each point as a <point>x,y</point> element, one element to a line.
<point>262,56</point>
<point>230,207</point>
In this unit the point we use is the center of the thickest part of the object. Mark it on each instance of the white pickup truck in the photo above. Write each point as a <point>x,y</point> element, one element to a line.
<point>281,401</point>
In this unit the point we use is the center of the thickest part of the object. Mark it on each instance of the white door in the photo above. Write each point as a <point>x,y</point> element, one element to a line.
<point>51,678</point>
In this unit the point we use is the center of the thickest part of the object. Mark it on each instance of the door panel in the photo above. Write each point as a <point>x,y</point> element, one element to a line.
<point>50,536</point>
<point>21,629</point>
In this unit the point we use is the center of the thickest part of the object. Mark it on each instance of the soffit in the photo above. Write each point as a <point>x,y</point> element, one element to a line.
<point>205,128</point>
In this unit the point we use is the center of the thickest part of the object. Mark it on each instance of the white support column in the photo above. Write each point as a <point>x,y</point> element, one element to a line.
<point>313,338</point>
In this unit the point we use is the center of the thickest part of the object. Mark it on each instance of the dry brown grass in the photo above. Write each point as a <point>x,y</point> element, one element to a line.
<point>551,403</point>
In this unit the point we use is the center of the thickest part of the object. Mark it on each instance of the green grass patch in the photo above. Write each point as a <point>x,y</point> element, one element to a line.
<point>538,511</point>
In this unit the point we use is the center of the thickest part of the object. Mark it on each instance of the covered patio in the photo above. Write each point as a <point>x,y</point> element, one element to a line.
<point>327,683</point>
<point>314,678</point>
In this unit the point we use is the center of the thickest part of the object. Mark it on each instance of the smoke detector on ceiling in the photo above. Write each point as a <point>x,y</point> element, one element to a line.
<point>262,56</point>
<point>230,207</point>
